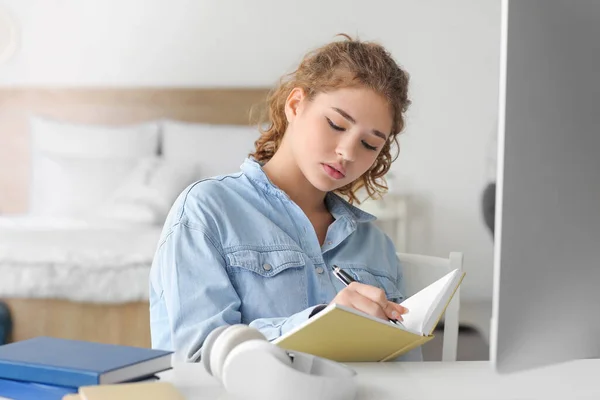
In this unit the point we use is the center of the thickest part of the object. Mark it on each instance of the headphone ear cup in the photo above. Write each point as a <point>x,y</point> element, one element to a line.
<point>258,346</point>
<point>231,337</point>
<point>248,360</point>
<point>208,345</point>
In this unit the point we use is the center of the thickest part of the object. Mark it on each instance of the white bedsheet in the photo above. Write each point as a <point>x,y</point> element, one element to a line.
<point>77,260</point>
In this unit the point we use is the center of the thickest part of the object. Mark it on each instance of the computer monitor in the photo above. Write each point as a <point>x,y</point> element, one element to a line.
<point>546,300</point>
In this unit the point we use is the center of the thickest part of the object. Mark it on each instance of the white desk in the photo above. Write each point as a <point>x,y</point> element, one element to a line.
<point>463,380</point>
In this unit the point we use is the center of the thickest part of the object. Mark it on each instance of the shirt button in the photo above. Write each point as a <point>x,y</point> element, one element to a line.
<point>329,242</point>
<point>267,267</point>
<point>319,270</point>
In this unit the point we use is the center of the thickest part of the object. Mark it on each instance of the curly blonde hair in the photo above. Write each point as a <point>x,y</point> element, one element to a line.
<point>341,64</point>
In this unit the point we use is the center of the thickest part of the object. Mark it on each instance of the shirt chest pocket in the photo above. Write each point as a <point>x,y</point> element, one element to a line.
<point>269,282</point>
<point>266,264</point>
<point>360,273</point>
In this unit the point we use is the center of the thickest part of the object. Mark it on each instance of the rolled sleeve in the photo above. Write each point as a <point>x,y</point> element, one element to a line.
<point>273,328</point>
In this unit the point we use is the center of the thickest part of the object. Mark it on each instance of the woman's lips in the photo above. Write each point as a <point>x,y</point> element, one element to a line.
<point>333,172</point>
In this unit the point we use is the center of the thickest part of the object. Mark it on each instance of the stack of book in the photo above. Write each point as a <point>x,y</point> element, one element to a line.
<point>46,368</point>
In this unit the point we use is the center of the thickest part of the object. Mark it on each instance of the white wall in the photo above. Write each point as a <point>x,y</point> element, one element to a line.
<point>449,48</point>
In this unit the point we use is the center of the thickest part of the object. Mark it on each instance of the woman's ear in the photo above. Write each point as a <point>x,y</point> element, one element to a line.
<point>293,103</point>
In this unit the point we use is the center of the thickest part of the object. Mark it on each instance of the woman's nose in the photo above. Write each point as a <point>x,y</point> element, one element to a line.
<point>346,149</point>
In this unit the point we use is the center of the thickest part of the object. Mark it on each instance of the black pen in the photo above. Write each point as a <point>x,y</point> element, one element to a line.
<point>347,280</point>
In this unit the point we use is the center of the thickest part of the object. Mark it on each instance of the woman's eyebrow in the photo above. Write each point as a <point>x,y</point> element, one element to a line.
<point>352,120</point>
<point>344,114</point>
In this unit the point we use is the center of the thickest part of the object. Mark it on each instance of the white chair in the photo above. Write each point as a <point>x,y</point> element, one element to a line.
<point>419,271</point>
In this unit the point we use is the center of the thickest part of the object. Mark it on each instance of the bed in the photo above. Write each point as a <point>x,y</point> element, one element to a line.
<point>86,178</point>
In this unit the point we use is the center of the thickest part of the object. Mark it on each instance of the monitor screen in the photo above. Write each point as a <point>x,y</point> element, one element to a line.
<point>546,299</point>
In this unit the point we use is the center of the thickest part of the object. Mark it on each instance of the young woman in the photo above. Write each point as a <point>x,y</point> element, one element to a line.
<point>257,247</point>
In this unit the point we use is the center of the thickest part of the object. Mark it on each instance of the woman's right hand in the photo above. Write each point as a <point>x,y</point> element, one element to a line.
<point>370,300</point>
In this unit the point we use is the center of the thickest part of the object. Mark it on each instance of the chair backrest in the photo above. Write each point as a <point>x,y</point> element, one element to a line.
<point>419,271</point>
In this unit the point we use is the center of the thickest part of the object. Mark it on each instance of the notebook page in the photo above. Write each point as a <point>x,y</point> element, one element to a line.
<point>421,304</point>
<point>436,310</point>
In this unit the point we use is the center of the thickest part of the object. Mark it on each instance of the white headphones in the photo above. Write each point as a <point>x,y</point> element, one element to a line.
<point>250,366</point>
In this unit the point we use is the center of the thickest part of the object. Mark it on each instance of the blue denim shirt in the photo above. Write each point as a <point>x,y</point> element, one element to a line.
<point>237,249</point>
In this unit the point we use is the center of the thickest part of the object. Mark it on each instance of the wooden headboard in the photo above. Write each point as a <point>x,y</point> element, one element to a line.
<point>108,106</point>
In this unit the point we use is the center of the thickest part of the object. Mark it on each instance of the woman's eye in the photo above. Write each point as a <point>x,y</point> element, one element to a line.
<point>368,146</point>
<point>334,126</point>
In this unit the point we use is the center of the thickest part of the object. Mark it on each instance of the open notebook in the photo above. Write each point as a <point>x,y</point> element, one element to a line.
<point>347,335</point>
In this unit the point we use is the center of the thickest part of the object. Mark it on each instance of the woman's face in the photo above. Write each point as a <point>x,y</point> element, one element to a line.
<point>337,136</point>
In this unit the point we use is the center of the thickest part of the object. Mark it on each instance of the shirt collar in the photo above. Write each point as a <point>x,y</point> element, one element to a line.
<point>338,207</point>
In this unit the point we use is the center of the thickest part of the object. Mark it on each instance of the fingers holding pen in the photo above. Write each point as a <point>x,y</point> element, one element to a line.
<point>392,310</point>
<point>371,300</point>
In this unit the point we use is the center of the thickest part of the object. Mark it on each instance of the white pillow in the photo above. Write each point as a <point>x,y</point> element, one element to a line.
<point>148,192</point>
<point>128,141</point>
<point>216,149</point>
<point>121,145</point>
<point>70,186</point>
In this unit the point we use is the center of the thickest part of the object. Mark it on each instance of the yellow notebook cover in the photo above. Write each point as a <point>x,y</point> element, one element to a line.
<point>131,391</point>
<point>344,334</point>
<point>341,334</point>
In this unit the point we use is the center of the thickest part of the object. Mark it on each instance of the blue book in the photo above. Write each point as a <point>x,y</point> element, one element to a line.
<point>74,363</point>
<point>18,390</point>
